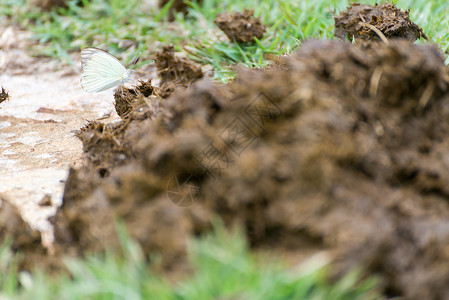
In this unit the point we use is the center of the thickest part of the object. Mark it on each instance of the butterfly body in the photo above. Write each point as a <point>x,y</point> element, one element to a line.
<point>101,70</point>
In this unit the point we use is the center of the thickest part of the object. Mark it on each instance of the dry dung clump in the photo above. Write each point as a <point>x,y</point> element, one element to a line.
<point>104,145</point>
<point>23,237</point>
<point>48,5</point>
<point>240,27</point>
<point>175,71</point>
<point>11,223</point>
<point>277,62</point>
<point>177,6</point>
<point>343,149</point>
<point>107,146</point>
<point>360,21</point>
<point>127,100</point>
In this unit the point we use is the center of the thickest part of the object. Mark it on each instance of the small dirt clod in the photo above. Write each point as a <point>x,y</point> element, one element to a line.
<point>23,237</point>
<point>45,201</point>
<point>175,71</point>
<point>48,5</point>
<point>4,95</point>
<point>126,100</point>
<point>360,21</point>
<point>241,27</point>
<point>177,6</point>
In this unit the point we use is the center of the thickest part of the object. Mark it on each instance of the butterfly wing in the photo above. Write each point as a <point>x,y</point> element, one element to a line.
<point>100,70</point>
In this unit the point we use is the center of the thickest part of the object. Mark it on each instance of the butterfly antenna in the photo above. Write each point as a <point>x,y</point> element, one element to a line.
<point>144,63</point>
<point>133,61</point>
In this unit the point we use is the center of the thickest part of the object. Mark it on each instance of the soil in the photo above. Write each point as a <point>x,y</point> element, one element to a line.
<point>177,6</point>
<point>240,27</point>
<point>11,223</point>
<point>338,147</point>
<point>126,100</point>
<point>341,150</point>
<point>49,5</point>
<point>360,22</point>
<point>175,71</point>
<point>25,240</point>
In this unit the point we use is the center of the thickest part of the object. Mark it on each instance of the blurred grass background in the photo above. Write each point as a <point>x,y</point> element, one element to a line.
<point>125,28</point>
<point>223,269</point>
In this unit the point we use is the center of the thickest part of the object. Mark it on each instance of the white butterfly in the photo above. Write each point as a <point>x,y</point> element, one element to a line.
<point>101,70</point>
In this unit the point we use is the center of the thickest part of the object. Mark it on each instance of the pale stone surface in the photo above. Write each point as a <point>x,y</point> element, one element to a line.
<point>37,125</point>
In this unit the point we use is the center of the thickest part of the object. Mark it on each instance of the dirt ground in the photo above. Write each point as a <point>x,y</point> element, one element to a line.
<point>339,147</point>
<point>37,124</point>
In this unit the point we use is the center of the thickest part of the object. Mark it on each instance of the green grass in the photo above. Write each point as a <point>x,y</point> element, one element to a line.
<point>291,22</point>
<point>223,269</point>
<point>125,28</point>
